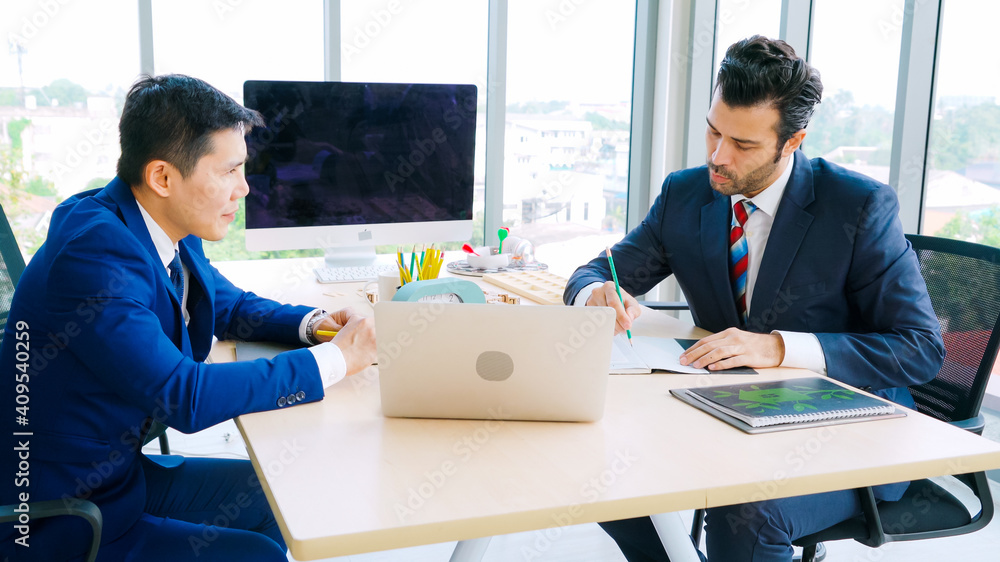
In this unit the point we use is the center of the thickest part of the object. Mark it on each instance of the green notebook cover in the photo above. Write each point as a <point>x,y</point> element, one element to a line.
<point>792,401</point>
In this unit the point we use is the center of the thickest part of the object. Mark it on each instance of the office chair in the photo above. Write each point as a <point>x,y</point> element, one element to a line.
<point>963,280</point>
<point>54,508</point>
<point>11,267</point>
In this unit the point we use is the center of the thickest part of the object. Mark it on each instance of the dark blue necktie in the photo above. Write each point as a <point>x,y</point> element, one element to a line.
<point>177,275</point>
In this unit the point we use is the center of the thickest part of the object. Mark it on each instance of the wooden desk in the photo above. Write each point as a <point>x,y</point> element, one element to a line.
<point>343,479</point>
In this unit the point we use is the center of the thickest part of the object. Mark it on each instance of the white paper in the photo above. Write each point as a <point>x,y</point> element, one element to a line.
<point>646,354</point>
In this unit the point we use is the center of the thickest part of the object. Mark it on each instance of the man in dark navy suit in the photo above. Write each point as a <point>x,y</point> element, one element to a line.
<point>118,309</point>
<point>790,262</point>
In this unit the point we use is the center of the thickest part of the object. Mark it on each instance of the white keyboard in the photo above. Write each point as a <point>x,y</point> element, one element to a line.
<point>352,274</point>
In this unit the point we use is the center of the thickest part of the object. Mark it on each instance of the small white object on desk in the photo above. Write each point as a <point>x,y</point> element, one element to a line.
<point>352,274</point>
<point>484,261</point>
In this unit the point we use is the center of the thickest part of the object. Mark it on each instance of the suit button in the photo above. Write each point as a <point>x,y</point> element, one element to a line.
<point>291,399</point>
<point>281,401</point>
<point>300,395</point>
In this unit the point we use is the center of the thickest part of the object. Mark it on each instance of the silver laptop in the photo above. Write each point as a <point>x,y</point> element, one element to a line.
<point>493,361</point>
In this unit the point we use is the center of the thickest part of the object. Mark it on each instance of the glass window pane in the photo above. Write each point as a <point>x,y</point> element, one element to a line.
<point>63,79</point>
<point>962,187</point>
<point>739,19</point>
<point>569,88</point>
<point>853,124</point>
<point>227,43</point>
<point>440,42</point>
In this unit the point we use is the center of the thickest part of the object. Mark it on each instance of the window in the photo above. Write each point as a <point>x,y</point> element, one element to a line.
<point>853,124</point>
<point>569,87</point>
<point>63,80</point>
<point>444,42</point>
<point>739,19</point>
<point>227,43</point>
<point>962,185</point>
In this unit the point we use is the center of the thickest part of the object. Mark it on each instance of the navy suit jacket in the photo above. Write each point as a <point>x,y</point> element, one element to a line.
<point>836,265</point>
<point>109,351</point>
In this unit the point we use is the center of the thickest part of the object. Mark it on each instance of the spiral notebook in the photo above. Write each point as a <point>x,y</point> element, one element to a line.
<point>787,404</point>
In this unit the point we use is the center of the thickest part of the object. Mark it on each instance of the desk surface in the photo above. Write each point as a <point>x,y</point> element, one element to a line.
<point>343,479</point>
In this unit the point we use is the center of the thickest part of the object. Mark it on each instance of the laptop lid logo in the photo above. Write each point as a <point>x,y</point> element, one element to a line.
<point>494,366</point>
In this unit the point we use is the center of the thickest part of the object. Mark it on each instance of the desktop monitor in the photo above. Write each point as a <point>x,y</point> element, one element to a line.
<point>345,166</point>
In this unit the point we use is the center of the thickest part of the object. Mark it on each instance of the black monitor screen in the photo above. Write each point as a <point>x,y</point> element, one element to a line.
<point>340,153</point>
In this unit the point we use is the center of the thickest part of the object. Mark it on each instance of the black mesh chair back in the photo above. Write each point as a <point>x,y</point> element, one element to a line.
<point>963,281</point>
<point>11,267</point>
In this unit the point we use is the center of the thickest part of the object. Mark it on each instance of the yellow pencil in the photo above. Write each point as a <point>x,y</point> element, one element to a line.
<point>325,333</point>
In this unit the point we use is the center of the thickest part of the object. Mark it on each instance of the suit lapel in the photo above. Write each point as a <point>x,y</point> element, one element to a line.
<point>715,245</point>
<point>790,226</point>
<point>122,195</point>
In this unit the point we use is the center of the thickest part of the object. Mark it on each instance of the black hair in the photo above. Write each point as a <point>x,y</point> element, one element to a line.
<point>760,71</point>
<point>172,118</point>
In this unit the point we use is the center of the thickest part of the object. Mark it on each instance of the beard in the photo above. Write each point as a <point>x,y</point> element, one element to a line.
<point>749,183</point>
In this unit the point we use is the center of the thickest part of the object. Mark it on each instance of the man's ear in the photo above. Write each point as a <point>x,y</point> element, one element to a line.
<point>159,175</point>
<point>793,143</point>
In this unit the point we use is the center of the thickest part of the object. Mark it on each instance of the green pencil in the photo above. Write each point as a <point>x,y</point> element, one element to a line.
<point>618,288</point>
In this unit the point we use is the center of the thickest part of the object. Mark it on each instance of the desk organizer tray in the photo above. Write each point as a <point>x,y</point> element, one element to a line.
<point>540,286</point>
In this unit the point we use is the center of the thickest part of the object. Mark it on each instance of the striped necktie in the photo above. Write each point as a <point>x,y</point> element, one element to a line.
<point>738,255</point>
<point>177,275</point>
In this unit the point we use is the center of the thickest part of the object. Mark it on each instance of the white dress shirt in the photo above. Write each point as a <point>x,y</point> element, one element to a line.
<point>329,359</point>
<point>802,349</point>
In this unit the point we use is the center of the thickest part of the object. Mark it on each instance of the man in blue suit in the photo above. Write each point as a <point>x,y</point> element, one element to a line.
<point>110,327</point>
<point>790,262</point>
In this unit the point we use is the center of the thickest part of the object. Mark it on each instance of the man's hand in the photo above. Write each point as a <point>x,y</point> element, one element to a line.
<point>735,348</point>
<point>606,295</point>
<point>355,338</point>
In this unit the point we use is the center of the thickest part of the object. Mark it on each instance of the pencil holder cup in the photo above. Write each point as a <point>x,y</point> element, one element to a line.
<point>388,284</point>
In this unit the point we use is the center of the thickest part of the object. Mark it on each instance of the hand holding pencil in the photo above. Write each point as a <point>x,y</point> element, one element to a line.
<point>626,307</point>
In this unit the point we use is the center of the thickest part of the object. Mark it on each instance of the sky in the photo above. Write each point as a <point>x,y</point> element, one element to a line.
<point>577,50</point>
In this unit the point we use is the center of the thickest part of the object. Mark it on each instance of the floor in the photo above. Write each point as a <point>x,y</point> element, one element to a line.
<point>589,543</point>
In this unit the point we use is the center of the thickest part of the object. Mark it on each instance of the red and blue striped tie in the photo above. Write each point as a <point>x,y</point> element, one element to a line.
<point>738,255</point>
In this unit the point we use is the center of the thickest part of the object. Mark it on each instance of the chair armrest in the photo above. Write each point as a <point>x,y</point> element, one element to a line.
<point>52,508</point>
<point>665,305</point>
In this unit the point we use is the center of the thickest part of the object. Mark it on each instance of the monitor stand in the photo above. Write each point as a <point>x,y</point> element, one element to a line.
<point>350,256</point>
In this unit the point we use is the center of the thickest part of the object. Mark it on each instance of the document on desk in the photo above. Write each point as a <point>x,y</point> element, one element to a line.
<point>648,354</point>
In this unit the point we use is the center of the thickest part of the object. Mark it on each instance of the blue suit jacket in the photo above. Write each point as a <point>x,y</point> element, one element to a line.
<point>109,350</point>
<point>836,265</point>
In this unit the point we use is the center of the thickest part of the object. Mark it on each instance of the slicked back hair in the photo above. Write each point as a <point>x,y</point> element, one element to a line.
<point>759,71</point>
<point>172,118</point>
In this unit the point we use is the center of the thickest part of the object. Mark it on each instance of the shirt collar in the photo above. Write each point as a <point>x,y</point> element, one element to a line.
<point>769,199</point>
<point>165,248</point>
